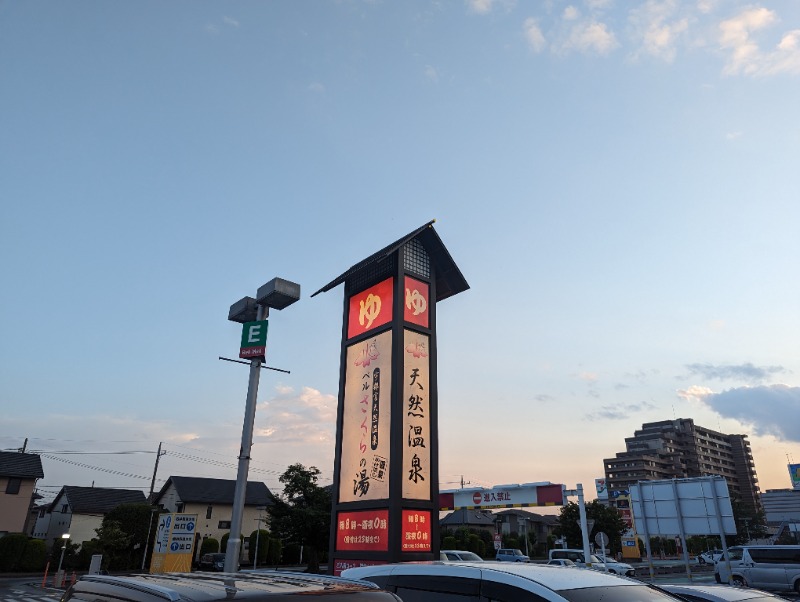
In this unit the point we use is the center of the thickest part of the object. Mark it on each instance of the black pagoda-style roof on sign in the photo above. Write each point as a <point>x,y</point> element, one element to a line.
<point>201,490</point>
<point>97,500</point>
<point>449,280</point>
<point>21,466</point>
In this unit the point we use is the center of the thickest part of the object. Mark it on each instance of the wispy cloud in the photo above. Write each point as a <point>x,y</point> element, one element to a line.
<point>431,74</point>
<point>695,393</point>
<point>230,21</point>
<point>480,7</point>
<point>304,418</point>
<point>767,410</point>
<point>316,88</point>
<point>534,35</point>
<point>571,13</point>
<point>589,37</point>
<point>619,412</point>
<point>746,372</point>
<point>656,28</point>
<point>746,57</point>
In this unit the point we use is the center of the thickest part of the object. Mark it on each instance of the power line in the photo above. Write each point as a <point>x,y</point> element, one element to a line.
<point>89,466</point>
<point>88,453</point>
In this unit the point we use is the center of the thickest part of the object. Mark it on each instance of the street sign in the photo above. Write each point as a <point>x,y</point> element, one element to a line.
<point>498,542</point>
<point>601,539</point>
<point>254,339</point>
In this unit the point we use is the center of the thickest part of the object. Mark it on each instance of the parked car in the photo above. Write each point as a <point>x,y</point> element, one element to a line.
<point>764,567</point>
<point>720,593</point>
<point>562,562</point>
<point>459,556</point>
<point>274,586</point>
<point>511,555</point>
<point>709,556</point>
<point>509,582</point>
<point>212,562</point>
<point>611,566</point>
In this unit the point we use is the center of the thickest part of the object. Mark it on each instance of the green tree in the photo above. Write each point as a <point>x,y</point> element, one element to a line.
<point>258,539</point>
<point>302,513</point>
<point>136,521</point>
<point>275,551</point>
<point>114,544</point>
<point>223,544</point>
<point>12,547</point>
<point>749,524</point>
<point>606,519</point>
<point>70,553</point>
<point>209,545</point>
<point>34,557</point>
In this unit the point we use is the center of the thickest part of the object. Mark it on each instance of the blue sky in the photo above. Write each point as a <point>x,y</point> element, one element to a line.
<point>618,182</point>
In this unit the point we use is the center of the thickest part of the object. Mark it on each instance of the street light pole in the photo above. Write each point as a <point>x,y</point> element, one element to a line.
<point>65,537</point>
<point>147,540</point>
<point>235,540</point>
<point>276,294</point>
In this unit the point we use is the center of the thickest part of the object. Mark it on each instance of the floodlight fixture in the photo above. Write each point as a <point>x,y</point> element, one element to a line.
<point>278,293</point>
<point>244,310</point>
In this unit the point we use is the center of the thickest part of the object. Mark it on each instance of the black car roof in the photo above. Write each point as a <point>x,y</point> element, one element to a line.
<point>206,587</point>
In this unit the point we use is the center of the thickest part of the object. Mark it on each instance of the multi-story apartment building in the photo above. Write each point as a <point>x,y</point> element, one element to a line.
<point>677,449</point>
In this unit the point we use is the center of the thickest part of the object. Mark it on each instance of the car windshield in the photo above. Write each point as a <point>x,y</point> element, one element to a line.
<point>517,552</point>
<point>470,556</point>
<point>617,593</point>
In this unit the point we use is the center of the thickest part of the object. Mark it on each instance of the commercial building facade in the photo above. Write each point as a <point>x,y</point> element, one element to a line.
<point>677,449</point>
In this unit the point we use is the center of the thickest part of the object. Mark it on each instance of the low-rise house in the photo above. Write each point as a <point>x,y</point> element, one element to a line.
<point>79,511</point>
<point>483,520</point>
<point>520,522</point>
<point>212,501</point>
<point>18,474</point>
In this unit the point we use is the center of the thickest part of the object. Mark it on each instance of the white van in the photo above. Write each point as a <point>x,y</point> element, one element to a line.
<point>763,567</point>
<point>576,556</point>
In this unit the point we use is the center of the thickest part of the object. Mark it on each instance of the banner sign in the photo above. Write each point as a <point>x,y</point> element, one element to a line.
<point>682,506</point>
<point>363,530</point>
<point>794,475</point>
<point>340,565</point>
<point>416,305</point>
<point>173,548</point>
<point>364,473</point>
<point>254,339</point>
<point>416,417</point>
<point>370,308</point>
<point>416,531</point>
<point>602,490</point>
<point>507,496</point>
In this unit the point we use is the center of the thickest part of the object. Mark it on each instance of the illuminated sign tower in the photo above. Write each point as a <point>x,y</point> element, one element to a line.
<point>386,469</point>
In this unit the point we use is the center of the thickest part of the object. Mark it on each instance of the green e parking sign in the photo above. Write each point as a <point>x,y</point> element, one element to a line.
<point>254,339</point>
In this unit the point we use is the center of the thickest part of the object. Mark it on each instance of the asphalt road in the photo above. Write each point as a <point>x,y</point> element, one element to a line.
<point>27,589</point>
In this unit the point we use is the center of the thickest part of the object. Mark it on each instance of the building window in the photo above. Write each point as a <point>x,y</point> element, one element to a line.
<point>209,510</point>
<point>64,508</point>
<point>224,524</point>
<point>12,488</point>
<point>179,507</point>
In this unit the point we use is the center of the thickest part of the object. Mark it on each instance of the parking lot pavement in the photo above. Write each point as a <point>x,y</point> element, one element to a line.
<point>26,590</point>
